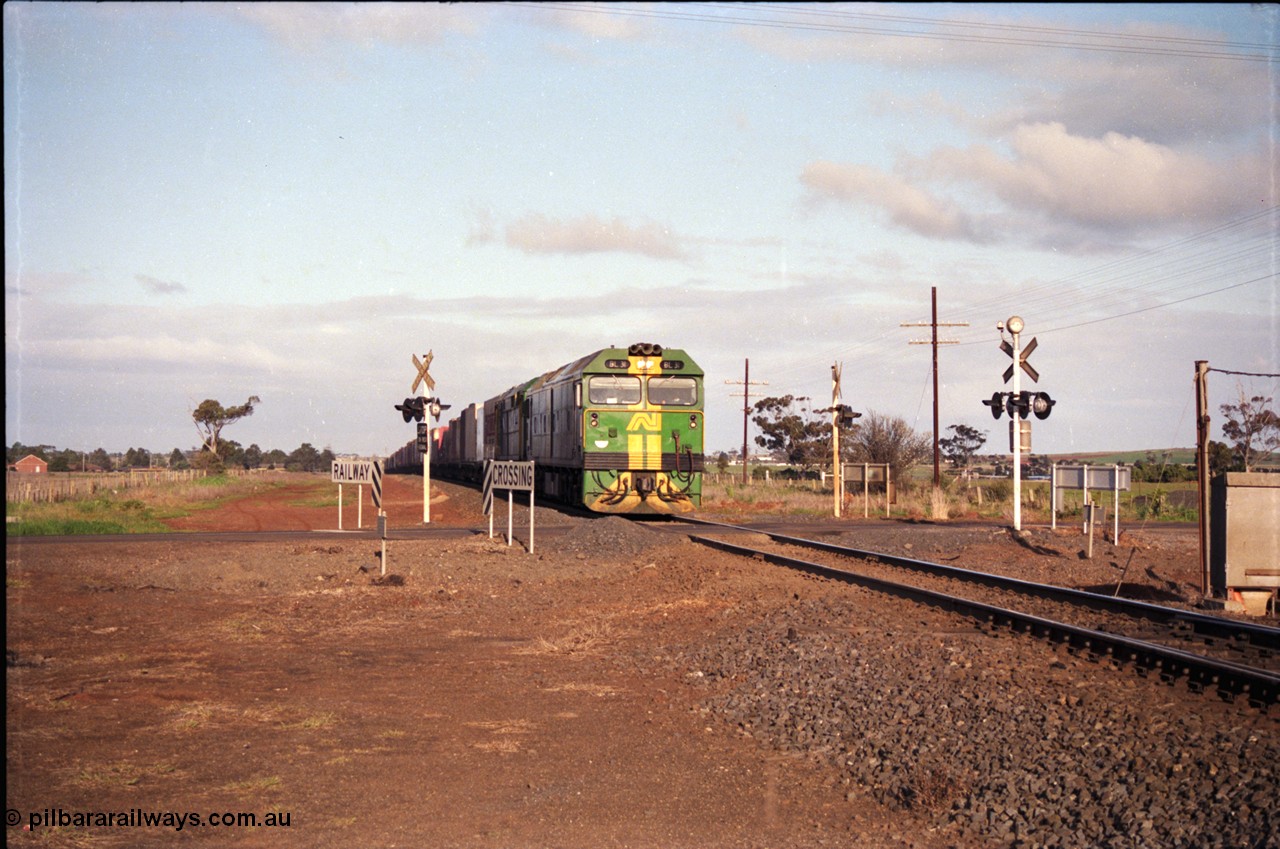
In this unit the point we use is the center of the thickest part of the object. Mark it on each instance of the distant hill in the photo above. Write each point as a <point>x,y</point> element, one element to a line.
<point>1181,456</point>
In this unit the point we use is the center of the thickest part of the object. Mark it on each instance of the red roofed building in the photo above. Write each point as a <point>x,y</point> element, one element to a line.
<point>31,465</point>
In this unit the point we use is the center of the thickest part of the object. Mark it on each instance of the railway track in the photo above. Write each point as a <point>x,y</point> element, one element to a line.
<point>1233,657</point>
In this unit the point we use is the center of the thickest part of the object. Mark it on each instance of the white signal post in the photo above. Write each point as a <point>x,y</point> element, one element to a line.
<point>425,378</point>
<point>1015,325</point>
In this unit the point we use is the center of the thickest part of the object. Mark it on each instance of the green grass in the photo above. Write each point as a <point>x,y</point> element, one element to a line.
<point>98,515</point>
<point>136,510</point>
<point>1150,502</point>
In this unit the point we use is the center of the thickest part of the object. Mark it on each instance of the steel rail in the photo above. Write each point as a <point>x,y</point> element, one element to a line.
<point>1260,687</point>
<point>1204,625</point>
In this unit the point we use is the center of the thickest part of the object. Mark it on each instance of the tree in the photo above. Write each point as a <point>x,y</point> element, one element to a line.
<point>178,460</point>
<point>304,458</point>
<point>798,436</point>
<point>963,443</point>
<point>211,417</point>
<point>136,458</point>
<point>881,439</point>
<point>232,453</point>
<point>1254,428</point>
<point>1220,458</point>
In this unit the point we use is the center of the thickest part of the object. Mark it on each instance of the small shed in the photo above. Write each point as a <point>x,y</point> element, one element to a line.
<point>31,465</point>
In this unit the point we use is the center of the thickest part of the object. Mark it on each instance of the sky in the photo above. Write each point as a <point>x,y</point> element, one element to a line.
<point>292,201</point>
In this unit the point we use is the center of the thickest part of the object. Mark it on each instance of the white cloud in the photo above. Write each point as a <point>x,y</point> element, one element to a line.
<point>141,353</point>
<point>537,234</point>
<point>598,22</point>
<point>1049,186</point>
<point>1112,181</point>
<point>160,287</point>
<point>305,26</point>
<point>908,205</point>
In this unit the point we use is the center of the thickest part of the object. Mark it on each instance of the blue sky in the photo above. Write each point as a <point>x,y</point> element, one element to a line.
<point>290,201</point>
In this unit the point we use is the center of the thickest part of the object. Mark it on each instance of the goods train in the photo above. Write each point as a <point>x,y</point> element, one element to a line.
<point>618,431</point>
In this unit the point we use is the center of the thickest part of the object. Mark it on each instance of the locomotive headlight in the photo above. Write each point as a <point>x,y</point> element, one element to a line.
<point>693,422</point>
<point>595,420</point>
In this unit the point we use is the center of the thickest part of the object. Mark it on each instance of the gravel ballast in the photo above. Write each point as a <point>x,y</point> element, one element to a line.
<point>1002,740</point>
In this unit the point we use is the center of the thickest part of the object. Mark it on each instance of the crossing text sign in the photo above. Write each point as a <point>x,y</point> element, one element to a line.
<point>505,474</point>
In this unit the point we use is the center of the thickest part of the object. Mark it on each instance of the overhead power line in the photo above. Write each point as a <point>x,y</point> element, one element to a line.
<point>840,21</point>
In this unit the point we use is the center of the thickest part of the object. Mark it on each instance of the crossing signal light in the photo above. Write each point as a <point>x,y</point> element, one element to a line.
<point>1019,404</point>
<point>413,409</point>
<point>1042,405</point>
<point>847,415</point>
<point>996,403</point>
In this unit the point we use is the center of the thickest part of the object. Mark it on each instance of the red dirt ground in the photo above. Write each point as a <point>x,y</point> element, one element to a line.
<point>488,697</point>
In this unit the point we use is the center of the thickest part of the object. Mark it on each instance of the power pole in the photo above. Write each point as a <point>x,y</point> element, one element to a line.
<point>1202,467</point>
<point>937,464</point>
<point>746,385</point>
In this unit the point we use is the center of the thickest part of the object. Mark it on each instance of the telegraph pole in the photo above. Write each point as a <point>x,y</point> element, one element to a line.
<point>746,385</point>
<point>1202,468</point>
<point>937,464</point>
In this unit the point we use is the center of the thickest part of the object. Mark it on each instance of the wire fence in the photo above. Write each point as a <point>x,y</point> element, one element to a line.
<point>68,486</point>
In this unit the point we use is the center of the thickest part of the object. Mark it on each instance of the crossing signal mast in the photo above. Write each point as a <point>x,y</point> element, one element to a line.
<point>1019,404</point>
<point>416,408</point>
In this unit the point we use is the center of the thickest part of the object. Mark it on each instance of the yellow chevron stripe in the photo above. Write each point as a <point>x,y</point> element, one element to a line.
<point>644,451</point>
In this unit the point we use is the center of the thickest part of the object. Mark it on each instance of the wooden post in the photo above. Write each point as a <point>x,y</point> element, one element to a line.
<point>1202,467</point>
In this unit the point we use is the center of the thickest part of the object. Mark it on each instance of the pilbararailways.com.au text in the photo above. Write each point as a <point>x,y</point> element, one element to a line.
<point>139,818</point>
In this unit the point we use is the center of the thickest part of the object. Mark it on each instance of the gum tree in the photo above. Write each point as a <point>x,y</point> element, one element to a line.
<point>211,417</point>
<point>1254,428</point>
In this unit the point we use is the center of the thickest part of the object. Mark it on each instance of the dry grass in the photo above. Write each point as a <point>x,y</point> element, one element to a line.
<point>252,786</point>
<point>955,499</point>
<point>581,638</point>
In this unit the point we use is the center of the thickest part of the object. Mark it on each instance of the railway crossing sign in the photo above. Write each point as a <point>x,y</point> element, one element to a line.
<point>358,472</point>
<point>1020,360</point>
<point>509,475</point>
<point>352,471</point>
<point>423,377</point>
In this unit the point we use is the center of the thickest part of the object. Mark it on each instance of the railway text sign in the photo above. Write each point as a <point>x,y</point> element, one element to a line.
<point>352,471</point>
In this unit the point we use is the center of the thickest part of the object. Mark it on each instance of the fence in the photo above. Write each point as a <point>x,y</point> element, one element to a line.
<point>55,486</point>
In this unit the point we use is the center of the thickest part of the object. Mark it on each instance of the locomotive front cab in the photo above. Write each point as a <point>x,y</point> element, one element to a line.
<point>642,426</point>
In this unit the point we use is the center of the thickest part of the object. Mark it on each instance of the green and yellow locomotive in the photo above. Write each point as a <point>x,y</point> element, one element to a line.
<point>618,431</point>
